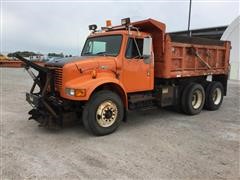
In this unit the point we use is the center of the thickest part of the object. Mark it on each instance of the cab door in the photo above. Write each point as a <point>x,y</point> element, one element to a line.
<point>137,75</point>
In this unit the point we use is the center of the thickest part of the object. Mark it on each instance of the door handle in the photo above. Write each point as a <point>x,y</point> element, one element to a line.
<point>148,73</point>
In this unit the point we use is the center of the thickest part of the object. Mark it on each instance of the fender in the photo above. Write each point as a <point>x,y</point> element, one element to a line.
<point>91,85</point>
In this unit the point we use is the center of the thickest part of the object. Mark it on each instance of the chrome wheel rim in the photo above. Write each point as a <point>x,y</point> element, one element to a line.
<point>106,113</point>
<point>197,99</point>
<point>217,96</point>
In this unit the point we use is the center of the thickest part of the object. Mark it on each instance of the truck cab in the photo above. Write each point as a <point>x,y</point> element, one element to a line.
<point>107,57</point>
<point>127,52</point>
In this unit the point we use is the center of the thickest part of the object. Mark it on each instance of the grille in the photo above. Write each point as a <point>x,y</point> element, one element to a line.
<point>58,78</point>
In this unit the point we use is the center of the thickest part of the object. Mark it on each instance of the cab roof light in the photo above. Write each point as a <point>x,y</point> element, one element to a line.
<point>92,27</point>
<point>125,21</point>
<point>108,23</point>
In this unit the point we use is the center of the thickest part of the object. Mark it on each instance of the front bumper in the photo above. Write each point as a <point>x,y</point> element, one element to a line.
<point>47,110</point>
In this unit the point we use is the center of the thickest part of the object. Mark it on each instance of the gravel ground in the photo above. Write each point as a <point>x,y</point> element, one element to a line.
<point>155,144</point>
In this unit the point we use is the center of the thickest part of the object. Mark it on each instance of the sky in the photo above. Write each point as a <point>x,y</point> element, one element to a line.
<point>62,26</point>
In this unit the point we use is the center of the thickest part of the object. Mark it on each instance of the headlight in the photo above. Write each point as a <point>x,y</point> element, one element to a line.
<point>70,92</point>
<point>75,92</point>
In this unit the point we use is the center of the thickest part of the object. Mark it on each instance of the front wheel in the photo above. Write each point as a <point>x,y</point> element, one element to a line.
<point>103,113</point>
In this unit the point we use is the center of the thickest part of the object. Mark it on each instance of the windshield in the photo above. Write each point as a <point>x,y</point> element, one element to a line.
<point>102,46</point>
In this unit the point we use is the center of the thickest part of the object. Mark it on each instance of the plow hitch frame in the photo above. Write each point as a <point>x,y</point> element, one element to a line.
<point>44,111</point>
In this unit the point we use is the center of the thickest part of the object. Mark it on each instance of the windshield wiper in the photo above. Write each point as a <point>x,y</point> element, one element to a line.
<point>98,54</point>
<point>101,53</point>
<point>104,54</point>
<point>87,53</point>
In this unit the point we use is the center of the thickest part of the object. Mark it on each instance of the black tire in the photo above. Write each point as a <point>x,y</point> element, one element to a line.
<point>193,98</point>
<point>183,95</point>
<point>94,122</point>
<point>214,96</point>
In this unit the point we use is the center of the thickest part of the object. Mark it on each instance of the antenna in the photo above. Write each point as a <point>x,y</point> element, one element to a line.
<point>189,18</point>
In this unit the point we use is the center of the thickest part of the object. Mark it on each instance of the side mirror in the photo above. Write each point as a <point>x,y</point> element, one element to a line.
<point>147,48</point>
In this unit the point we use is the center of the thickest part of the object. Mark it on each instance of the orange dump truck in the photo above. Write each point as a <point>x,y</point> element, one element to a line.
<point>135,65</point>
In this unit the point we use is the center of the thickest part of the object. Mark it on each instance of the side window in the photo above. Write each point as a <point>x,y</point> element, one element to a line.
<point>134,46</point>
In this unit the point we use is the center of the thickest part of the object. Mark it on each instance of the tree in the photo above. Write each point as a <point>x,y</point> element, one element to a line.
<point>22,53</point>
<point>55,55</point>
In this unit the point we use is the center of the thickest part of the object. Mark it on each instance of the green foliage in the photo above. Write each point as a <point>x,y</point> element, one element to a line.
<point>55,55</point>
<point>22,53</point>
<point>30,54</point>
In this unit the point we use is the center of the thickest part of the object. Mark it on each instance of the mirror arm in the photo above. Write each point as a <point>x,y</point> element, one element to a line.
<point>139,53</point>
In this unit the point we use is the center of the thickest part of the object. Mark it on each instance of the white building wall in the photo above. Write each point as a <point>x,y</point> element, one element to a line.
<point>232,34</point>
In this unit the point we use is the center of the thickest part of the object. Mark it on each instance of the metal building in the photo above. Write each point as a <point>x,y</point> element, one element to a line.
<point>210,33</point>
<point>232,33</point>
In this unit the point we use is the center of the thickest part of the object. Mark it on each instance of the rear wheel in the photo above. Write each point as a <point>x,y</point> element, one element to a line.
<point>193,98</point>
<point>214,96</point>
<point>103,113</point>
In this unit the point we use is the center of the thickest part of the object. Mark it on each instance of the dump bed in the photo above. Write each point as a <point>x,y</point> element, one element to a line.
<point>179,56</point>
<point>186,57</point>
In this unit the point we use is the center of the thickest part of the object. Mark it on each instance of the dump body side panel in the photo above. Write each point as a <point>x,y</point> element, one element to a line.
<point>183,59</point>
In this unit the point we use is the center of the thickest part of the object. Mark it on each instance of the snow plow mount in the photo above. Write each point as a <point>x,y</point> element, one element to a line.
<point>46,107</point>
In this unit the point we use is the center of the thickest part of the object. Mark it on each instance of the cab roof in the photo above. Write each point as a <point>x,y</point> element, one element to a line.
<point>148,25</point>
